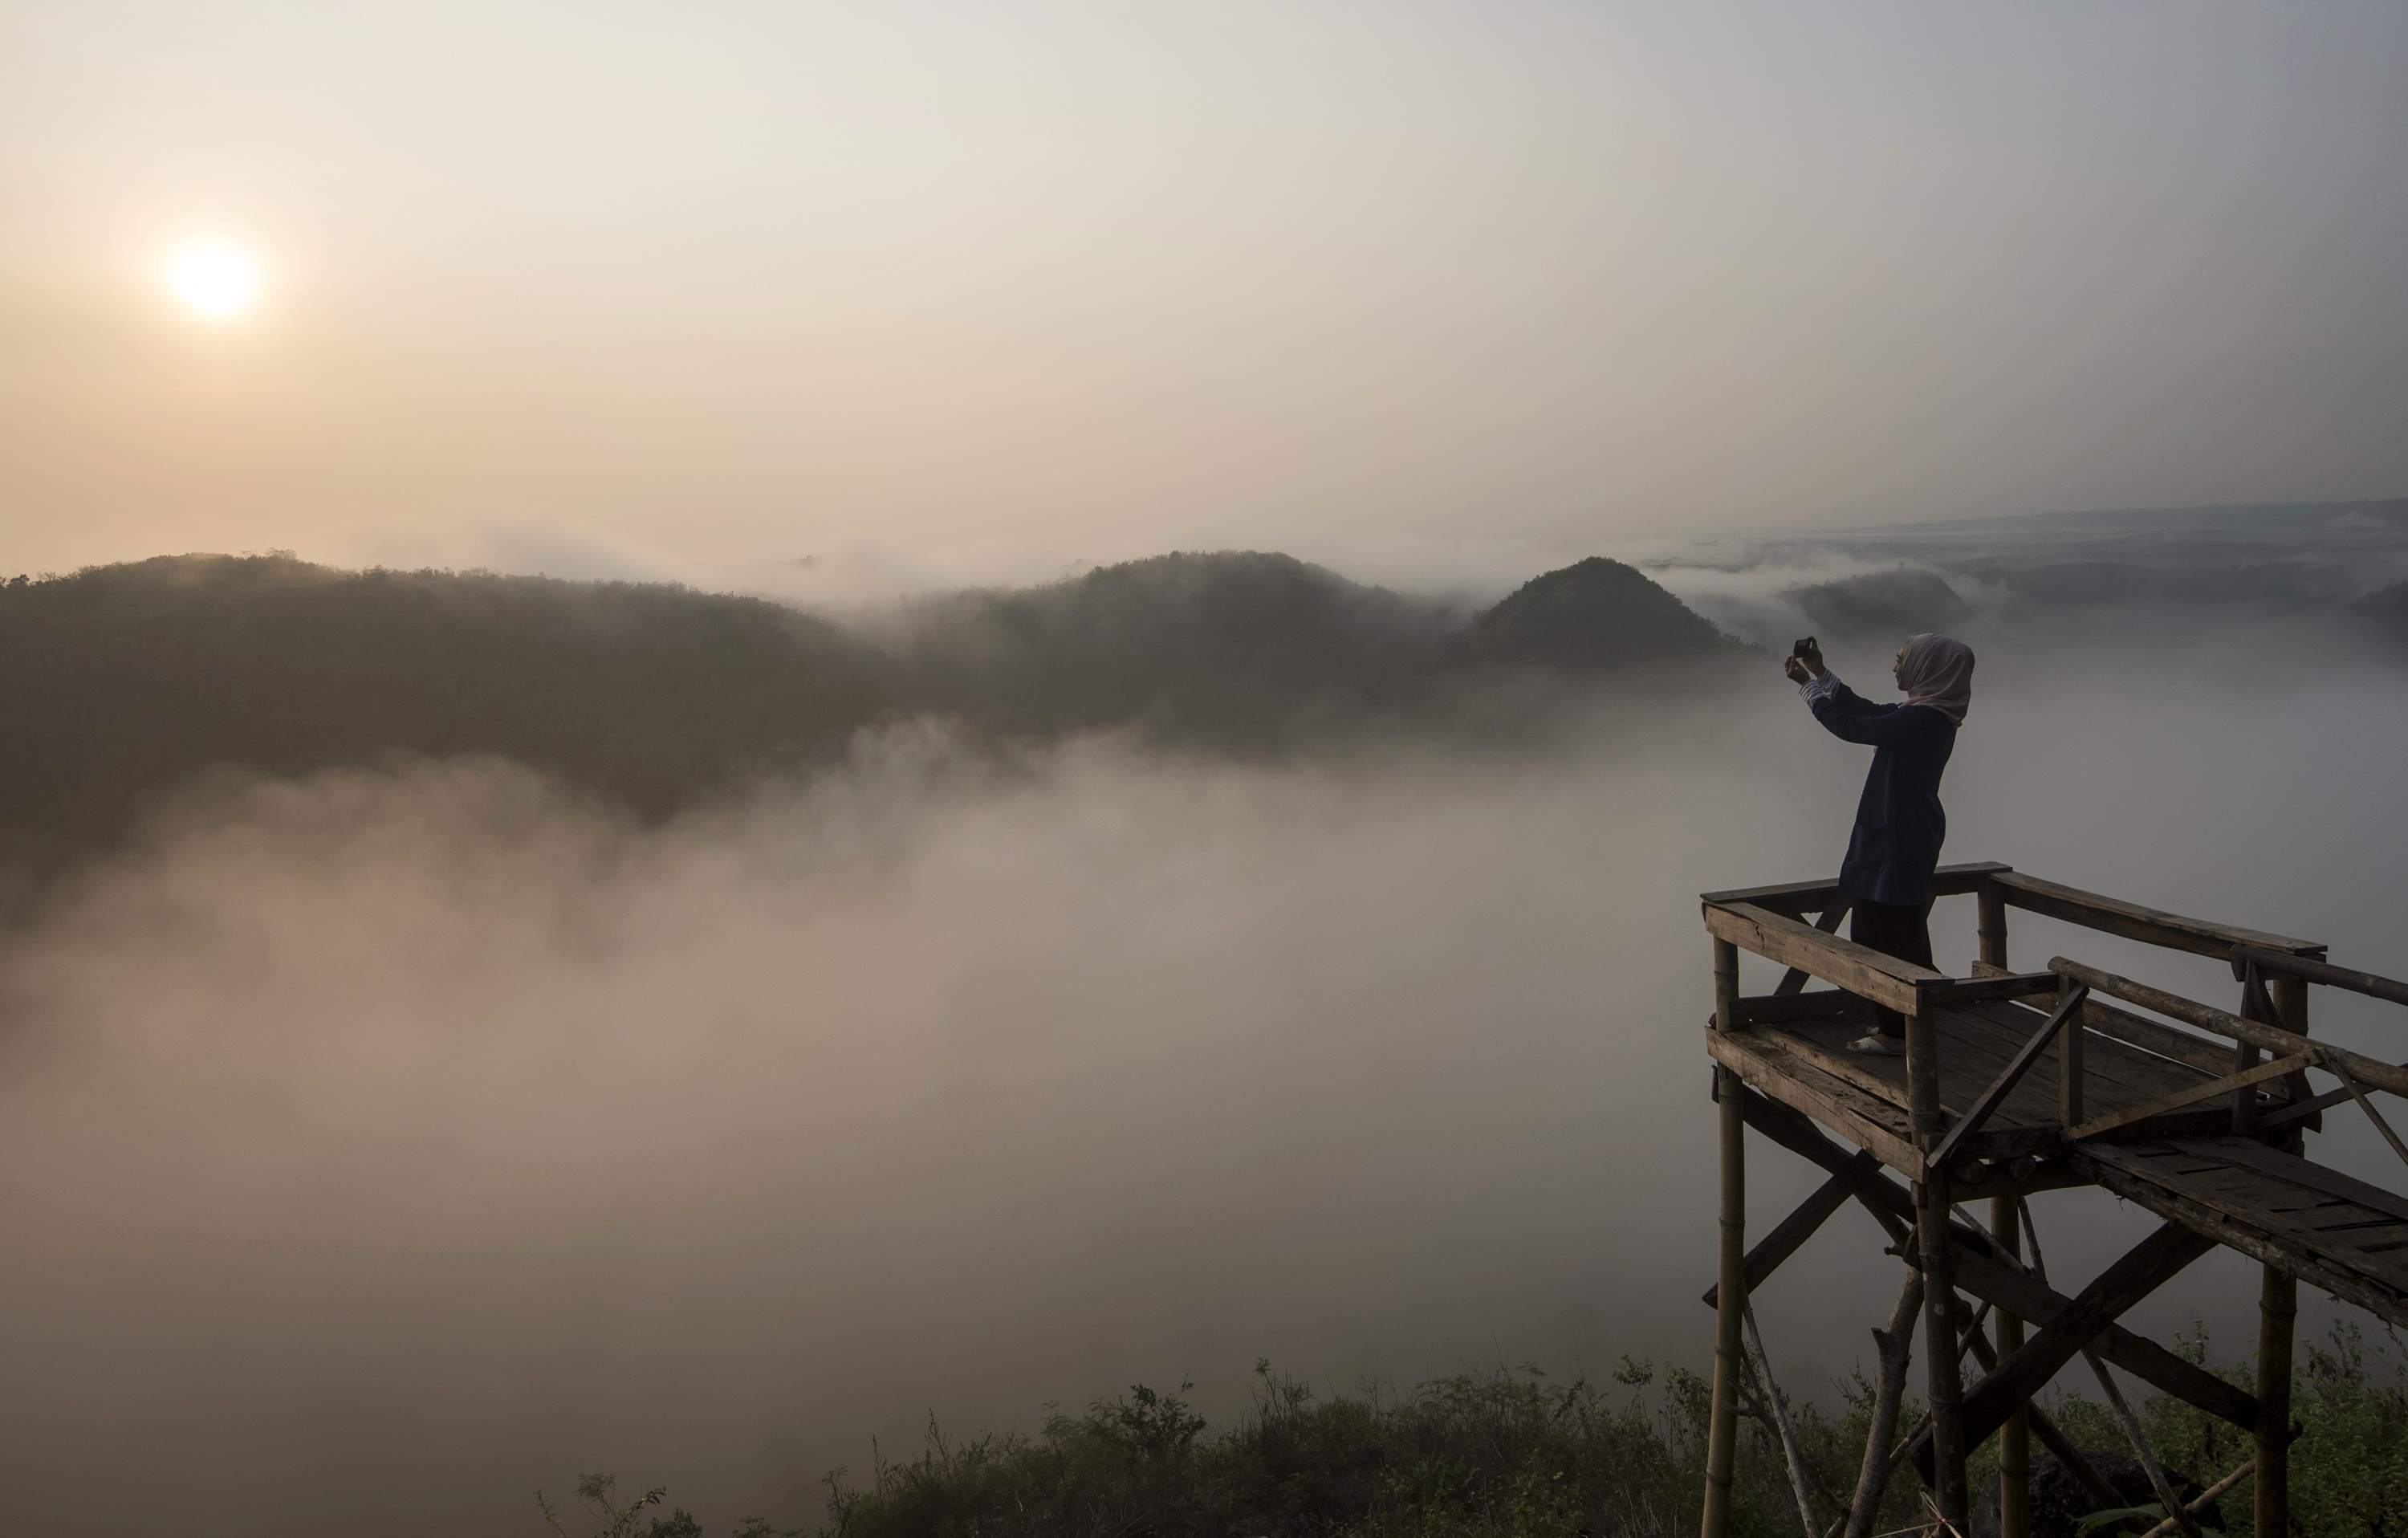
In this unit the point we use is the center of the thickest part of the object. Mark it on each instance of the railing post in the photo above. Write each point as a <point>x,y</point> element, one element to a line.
<point>1944,1379</point>
<point>2278,1308</point>
<point>2244,1055</point>
<point>1730,1271</point>
<point>2069,1060</point>
<point>2015,1437</point>
<point>1990,925</point>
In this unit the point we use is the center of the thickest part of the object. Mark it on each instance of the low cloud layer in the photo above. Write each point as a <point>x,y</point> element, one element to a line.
<point>380,1146</point>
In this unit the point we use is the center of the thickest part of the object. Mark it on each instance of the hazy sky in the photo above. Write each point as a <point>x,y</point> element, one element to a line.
<point>602,287</point>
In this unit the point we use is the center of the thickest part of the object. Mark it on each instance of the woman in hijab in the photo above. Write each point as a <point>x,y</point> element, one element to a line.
<point>1899,824</point>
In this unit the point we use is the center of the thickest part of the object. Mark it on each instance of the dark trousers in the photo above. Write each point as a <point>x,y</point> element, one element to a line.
<point>1893,930</point>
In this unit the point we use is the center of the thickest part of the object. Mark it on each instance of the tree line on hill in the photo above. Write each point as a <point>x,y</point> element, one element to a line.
<point>122,683</point>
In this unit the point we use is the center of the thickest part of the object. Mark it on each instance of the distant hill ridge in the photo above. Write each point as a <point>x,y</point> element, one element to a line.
<point>122,681</point>
<point>2363,513</point>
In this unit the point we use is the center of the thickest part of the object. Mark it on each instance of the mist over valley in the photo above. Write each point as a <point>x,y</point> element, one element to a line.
<point>465,1030</point>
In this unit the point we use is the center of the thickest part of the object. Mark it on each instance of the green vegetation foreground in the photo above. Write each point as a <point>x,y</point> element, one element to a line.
<point>1510,1454</point>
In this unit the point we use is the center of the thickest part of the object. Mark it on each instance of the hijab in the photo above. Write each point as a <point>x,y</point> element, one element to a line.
<point>1938,671</point>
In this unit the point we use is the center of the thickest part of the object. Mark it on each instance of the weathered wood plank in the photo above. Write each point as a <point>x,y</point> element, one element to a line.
<point>1801,1007</point>
<point>1969,1178</point>
<point>2135,1071</point>
<point>1804,896</point>
<point>1992,1097</point>
<point>2153,926</point>
<point>2251,1155</point>
<point>1882,979</point>
<point>2301,1239</point>
<point>1863,1120</point>
<point>1795,1130</point>
<point>2105,1019</point>
<point>2370,1071</point>
<point>1971,1055</point>
<point>2148,1265</point>
<point>1949,992</point>
<point>2284,1116</point>
<point>1883,1078</point>
<point>2320,971</point>
<point>2388,1303</point>
<point>2163,1103</point>
<point>2030,1299</point>
<point>1977,1042</point>
<point>1794,981</point>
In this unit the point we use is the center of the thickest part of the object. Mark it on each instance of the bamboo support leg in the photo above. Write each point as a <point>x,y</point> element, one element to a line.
<point>1730,1279</point>
<point>2278,1307</point>
<point>1769,1391</point>
<point>2015,1437</point>
<point>2160,1480</point>
<point>1945,1375</point>
<point>2068,1063</point>
<point>1896,1346</point>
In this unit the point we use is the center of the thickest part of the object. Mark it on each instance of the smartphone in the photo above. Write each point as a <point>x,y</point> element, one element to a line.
<point>1801,648</point>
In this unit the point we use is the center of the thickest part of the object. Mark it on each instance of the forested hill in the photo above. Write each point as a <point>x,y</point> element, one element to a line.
<point>121,682</point>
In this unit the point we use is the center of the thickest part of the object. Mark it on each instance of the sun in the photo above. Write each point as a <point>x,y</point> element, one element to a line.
<point>216,279</point>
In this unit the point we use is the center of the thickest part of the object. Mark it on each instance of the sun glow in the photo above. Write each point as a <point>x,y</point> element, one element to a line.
<point>215,280</point>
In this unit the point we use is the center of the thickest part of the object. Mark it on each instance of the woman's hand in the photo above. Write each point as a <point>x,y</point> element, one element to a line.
<point>1796,668</point>
<point>1804,666</point>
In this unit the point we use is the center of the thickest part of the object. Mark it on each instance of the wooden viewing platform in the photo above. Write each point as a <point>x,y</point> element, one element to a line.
<point>2015,1083</point>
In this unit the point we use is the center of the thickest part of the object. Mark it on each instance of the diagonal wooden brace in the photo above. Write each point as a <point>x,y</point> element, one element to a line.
<point>2025,1296</point>
<point>1981,1111</point>
<point>2279,1068</point>
<point>1798,1226</point>
<point>1794,981</point>
<point>2030,1299</point>
<point>2149,1265</point>
<point>1796,1131</point>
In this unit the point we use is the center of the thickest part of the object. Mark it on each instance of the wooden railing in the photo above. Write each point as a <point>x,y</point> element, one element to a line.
<point>1771,921</point>
<point>2295,1052</point>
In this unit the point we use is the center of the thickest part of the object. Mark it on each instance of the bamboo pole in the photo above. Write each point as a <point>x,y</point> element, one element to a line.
<point>1792,1455</point>
<point>1896,1346</point>
<point>2160,1480</point>
<point>2278,1308</point>
<point>1944,1375</point>
<point>2069,1064</point>
<point>2015,1437</point>
<point>1990,923</point>
<point>1730,1302</point>
<point>2201,1501</point>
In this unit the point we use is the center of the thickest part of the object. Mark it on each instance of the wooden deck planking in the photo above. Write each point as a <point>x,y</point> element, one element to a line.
<point>2146,1074</point>
<point>1764,1065</point>
<point>2337,1230</point>
<point>1975,1042</point>
<point>2155,1112</point>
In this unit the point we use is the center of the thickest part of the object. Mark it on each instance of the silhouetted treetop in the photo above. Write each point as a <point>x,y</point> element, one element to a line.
<point>121,683</point>
<point>1594,616</point>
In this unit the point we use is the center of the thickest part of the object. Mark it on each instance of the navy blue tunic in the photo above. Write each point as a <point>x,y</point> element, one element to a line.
<point>1899,824</point>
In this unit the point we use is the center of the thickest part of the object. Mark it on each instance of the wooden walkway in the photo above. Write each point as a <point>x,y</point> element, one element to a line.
<point>2013,1084</point>
<point>2332,1230</point>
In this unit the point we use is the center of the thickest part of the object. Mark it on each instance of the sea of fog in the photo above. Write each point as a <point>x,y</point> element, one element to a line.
<point>380,1148</point>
